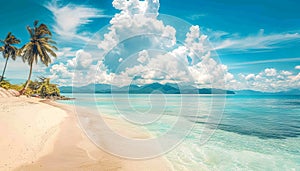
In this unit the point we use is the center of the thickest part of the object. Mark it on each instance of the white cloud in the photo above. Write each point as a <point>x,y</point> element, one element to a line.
<point>65,52</point>
<point>161,68</point>
<point>295,79</point>
<point>250,77</point>
<point>69,18</point>
<point>143,56</point>
<point>270,72</point>
<point>244,64</point>
<point>133,7</point>
<point>196,43</point>
<point>96,74</point>
<point>297,67</point>
<point>60,74</point>
<point>172,65</point>
<point>268,80</point>
<point>72,63</point>
<point>140,18</point>
<point>286,73</point>
<point>137,18</point>
<point>83,59</point>
<point>63,73</point>
<point>209,73</point>
<point>259,41</point>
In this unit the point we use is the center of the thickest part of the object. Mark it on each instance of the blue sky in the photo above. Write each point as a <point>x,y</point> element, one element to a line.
<point>257,42</point>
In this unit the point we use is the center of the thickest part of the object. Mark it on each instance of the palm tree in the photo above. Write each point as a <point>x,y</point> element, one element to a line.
<point>8,50</point>
<point>40,46</point>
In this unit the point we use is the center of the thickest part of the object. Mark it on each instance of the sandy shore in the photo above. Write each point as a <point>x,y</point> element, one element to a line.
<point>46,136</point>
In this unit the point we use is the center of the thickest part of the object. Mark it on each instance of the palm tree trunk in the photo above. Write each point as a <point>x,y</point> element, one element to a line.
<point>28,80</point>
<point>2,77</point>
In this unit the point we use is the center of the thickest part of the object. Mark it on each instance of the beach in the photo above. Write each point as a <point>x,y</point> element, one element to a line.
<point>44,135</point>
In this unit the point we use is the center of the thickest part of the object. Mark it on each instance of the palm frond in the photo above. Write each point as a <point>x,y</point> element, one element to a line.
<point>40,46</point>
<point>14,53</point>
<point>13,40</point>
<point>35,23</point>
<point>43,30</point>
<point>52,42</point>
<point>35,57</point>
<point>46,58</point>
<point>8,35</point>
<point>30,31</point>
<point>49,48</point>
<point>48,41</point>
<point>6,53</point>
<point>40,52</point>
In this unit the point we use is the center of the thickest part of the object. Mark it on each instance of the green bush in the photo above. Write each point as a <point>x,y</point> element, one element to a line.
<point>5,84</point>
<point>41,87</point>
<point>16,87</point>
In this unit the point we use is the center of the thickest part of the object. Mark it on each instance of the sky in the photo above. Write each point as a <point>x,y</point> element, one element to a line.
<point>232,44</point>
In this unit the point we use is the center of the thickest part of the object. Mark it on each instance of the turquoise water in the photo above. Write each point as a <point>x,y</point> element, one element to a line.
<point>254,132</point>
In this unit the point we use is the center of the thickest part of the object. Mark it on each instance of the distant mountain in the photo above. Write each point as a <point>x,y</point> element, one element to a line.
<point>215,91</point>
<point>98,88</point>
<point>252,92</point>
<point>290,92</point>
<point>145,89</point>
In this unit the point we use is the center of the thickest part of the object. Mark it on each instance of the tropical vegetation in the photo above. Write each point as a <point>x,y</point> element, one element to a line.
<point>39,48</point>
<point>40,87</point>
<point>8,50</point>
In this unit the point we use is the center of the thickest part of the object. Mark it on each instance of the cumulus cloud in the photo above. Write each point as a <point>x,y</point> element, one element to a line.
<point>137,18</point>
<point>83,59</point>
<point>196,43</point>
<point>270,72</point>
<point>60,74</point>
<point>133,7</point>
<point>162,68</point>
<point>96,74</point>
<point>268,80</point>
<point>191,63</point>
<point>287,73</point>
<point>63,72</point>
<point>209,73</point>
<point>143,56</point>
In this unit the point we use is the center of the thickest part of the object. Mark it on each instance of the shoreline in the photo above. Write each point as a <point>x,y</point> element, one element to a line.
<point>69,148</point>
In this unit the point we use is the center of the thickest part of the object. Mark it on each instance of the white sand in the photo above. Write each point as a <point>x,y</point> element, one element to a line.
<point>39,136</point>
<point>28,129</point>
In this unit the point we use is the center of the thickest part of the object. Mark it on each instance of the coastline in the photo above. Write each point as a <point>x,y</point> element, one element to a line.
<point>65,146</point>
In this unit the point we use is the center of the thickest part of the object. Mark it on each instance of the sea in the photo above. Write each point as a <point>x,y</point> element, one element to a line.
<point>232,132</point>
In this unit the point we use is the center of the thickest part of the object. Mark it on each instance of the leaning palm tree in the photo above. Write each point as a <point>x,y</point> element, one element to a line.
<point>8,50</point>
<point>39,47</point>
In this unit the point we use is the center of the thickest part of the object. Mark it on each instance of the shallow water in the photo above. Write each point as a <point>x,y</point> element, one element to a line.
<point>249,133</point>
